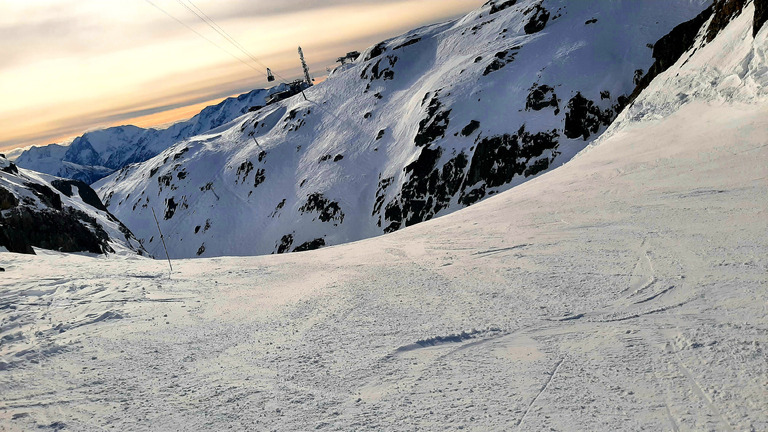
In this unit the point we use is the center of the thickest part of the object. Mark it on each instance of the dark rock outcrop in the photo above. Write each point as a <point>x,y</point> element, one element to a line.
<point>538,21</point>
<point>259,177</point>
<point>434,125</point>
<point>409,42</point>
<point>470,127</point>
<point>540,97</point>
<point>384,183</point>
<point>584,118</point>
<point>429,186</point>
<point>327,210</point>
<point>45,194</point>
<point>384,72</point>
<point>501,5</point>
<point>376,51</point>
<point>498,159</point>
<point>86,193</point>
<point>310,245</point>
<point>412,205</point>
<point>723,12</point>
<point>11,168</point>
<point>668,49</point>
<point>7,199</point>
<point>761,16</point>
<point>66,230</point>
<point>285,244</point>
<point>243,170</point>
<point>170,208</point>
<point>501,59</point>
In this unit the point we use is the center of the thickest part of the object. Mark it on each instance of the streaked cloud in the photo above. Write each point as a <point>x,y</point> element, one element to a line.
<point>75,65</point>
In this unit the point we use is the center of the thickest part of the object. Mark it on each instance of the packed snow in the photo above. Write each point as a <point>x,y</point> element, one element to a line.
<point>624,290</point>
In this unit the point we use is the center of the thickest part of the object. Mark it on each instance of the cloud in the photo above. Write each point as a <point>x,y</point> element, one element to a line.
<point>79,64</point>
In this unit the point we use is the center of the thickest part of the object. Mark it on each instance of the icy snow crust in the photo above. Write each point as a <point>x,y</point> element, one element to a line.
<point>420,126</point>
<point>623,291</point>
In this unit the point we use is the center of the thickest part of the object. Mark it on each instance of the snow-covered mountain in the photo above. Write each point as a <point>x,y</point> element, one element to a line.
<point>623,291</point>
<point>96,154</point>
<point>419,126</point>
<point>39,210</point>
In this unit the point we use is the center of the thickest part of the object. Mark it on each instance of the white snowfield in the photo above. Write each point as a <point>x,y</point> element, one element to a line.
<point>625,290</point>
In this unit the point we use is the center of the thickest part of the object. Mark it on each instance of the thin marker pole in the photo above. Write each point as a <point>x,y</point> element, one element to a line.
<point>257,143</point>
<point>163,240</point>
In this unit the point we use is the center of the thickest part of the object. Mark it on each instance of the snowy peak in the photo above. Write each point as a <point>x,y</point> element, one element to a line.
<point>41,211</point>
<point>99,153</point>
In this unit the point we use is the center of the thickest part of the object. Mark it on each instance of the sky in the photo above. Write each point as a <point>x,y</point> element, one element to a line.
<point>69,66</point>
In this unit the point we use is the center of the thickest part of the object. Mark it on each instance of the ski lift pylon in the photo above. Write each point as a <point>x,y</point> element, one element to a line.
<point>270,77</point>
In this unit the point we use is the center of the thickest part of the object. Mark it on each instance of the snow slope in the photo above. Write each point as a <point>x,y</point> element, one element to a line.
<point>99,153</point>
<point>420,126</point>
<point>732,68</point>
<point>624,290</point>
<point>38,210</point>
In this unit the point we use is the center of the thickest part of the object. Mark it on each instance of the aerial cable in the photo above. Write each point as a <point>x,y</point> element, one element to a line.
<point>201,35</point>
<point>207,22</point>
<point>225,34</point>
<point>215,26</point>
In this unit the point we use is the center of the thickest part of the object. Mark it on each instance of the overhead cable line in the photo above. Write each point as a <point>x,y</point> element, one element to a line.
<point>223,33</point>
<point>201,35</point>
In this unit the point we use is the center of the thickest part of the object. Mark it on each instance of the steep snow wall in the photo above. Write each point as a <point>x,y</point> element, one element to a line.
<point>724,63</point>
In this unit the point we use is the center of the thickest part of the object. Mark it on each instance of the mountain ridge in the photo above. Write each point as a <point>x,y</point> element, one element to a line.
<point>96,154</point>
<point>419,126</point>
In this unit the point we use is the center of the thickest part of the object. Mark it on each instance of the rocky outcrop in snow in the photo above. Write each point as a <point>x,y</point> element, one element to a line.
<point>66,215</point>
<point>722,62</point>
<point>421,125</point>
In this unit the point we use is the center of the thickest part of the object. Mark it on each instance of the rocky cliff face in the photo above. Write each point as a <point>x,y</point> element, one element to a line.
<point>761,16</point>
<point>58,214</point>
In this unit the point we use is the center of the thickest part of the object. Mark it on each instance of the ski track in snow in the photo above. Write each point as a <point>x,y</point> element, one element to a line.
<point>645,312</point>
<point>625,290</point>
<point>543,389</point>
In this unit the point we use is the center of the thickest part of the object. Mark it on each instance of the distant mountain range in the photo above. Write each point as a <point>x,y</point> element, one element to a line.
<point>97,154</point>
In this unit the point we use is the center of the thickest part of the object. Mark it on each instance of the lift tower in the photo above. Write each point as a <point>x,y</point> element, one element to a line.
<point>306,69</point>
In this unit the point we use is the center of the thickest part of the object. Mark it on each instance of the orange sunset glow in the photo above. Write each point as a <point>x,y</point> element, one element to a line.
<point>79,65</point>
